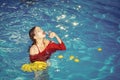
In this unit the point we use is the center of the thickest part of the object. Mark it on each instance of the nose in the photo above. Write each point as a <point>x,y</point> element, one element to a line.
<point>44,32</point>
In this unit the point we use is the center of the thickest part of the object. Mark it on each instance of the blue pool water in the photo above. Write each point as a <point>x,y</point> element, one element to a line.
<point>84,26</point>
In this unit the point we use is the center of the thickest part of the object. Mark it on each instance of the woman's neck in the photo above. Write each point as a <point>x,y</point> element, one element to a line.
<point>40,42</point>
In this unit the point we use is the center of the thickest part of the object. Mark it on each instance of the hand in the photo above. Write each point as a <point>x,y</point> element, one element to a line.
<point>52,34</point>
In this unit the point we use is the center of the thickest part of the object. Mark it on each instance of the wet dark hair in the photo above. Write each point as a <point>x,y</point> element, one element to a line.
<point>32,34</point>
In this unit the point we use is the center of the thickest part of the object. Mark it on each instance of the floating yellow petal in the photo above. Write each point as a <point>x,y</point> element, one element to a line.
<point>36,66</point>
<point>71,57</point>
<point>99,49</point>
<point>76,60</point>
<point>60,56</point>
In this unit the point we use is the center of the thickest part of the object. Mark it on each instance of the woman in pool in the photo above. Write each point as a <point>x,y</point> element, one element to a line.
<point>42,48</point>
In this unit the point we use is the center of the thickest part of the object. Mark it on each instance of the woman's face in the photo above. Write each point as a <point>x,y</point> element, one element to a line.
<point>39,33</point>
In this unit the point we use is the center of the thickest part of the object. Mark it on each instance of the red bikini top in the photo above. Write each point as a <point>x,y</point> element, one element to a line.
<point>46,53</point>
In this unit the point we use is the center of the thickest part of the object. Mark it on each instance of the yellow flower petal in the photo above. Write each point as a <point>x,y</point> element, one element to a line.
<point>71,57</point>
<point>99,49</point>
<point>76,60</point>
<point>34,66</point>
<point>60,56</point>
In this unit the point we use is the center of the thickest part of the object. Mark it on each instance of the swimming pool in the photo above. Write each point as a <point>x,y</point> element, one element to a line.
<point>90,30</point>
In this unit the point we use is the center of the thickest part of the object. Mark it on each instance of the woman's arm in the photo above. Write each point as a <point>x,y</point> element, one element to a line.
<point>60,45</point>
<point>54,35</point>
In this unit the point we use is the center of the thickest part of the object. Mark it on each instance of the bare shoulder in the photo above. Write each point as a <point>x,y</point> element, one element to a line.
<point>33,50</point>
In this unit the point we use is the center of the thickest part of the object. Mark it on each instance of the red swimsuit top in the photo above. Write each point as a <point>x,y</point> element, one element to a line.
<point>46,53</point>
